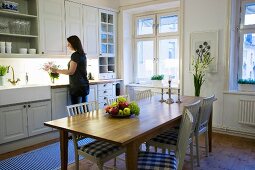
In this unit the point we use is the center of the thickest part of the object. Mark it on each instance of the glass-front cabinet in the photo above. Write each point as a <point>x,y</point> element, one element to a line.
<point>107,44</point>
<point>18,27</point>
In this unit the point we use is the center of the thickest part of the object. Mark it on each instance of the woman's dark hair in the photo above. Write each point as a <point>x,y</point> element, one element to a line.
<point>76,44</point>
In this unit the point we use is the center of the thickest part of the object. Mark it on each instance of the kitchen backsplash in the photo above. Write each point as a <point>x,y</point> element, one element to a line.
<point>33,67</point>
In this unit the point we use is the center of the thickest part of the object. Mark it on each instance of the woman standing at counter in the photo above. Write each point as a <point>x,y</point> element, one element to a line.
<point>77,71</point>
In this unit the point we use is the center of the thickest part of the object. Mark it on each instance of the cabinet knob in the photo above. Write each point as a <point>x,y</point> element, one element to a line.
<point>105,104</point>
<point>24,106</point>
<point>105,91</point>
<point>29,105</point>
<point>104,85</point>
<point>105,97</point>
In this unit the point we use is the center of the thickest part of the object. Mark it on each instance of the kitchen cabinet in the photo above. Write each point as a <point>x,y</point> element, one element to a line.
<point>104,91</point>
<point>107,44</point>
<point>59,101</point>
<point>74,12</point>
<point>52,27</point>
<point>92,93</point>
<point>20,27</point>
<point>90,25</point>
<point>24,120</point>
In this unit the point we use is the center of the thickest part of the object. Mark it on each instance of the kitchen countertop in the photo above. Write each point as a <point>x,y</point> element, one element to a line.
<point>58,85</point>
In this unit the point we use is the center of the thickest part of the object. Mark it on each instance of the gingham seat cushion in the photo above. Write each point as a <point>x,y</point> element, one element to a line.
<point>168,137</point>
<point>100,149</point>
<point>159,161</point>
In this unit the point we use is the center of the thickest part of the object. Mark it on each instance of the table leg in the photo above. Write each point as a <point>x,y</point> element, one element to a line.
<point>63,149</point>
<point>131,156</point>
<point>210,132</point>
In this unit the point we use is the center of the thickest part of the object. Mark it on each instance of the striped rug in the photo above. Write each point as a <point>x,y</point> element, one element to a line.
<point>45,158</point>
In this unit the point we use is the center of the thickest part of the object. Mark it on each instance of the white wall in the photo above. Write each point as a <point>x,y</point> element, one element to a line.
<point>204,15</point>
<point>114,4</point>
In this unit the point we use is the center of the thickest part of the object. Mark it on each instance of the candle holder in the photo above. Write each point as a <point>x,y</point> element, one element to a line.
<point>179,99</point>
<point>162,97</point>
<point>169,100</point>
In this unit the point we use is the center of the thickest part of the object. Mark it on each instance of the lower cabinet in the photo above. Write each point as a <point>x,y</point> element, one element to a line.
<point>92,93</point>
<point>59,101</point>
<point>24,120</point>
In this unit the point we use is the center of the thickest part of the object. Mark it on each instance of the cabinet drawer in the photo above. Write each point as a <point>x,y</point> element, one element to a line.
<point>103,98</point>
<point>104,86</point>
<point>102,105</point>
<point>102,93</point>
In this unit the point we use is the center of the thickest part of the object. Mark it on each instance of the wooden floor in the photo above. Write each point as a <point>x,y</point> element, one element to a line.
<point>229,153</point>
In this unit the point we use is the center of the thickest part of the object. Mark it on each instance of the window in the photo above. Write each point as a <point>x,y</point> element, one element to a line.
<point>247,41</point>
<point>157,45</point>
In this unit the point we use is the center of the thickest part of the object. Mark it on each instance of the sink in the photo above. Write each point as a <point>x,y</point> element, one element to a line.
<point>24,93</point>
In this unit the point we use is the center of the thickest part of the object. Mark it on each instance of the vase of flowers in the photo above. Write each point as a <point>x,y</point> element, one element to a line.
<point>47,67</point>
<point>200,64</point>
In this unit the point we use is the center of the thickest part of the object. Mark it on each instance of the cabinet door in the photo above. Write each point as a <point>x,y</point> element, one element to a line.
<point>59,101</point>
<point>13,123</point>
<point>38,113</point>
<point>90,24</point>
<point>52,27</point>
<point>74,13</point>
<point>92,93</point>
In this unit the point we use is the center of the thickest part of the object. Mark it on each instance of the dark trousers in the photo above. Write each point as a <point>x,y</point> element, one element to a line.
<point>78,99</point>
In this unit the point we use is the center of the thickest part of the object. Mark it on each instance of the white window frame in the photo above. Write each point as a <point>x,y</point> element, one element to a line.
<point>157,36</point>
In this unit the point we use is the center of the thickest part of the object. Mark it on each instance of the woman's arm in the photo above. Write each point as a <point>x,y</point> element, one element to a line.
<point>70,71</point>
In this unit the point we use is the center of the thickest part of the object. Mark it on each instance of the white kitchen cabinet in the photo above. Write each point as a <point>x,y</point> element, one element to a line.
<point>90,27</point>
<point>74,12</point>
<point>104,91</point>
<point>92,93</point>
<point>59,101</point>
<point>107,44</point>
<point>23,120</point>
<point>52,27</point>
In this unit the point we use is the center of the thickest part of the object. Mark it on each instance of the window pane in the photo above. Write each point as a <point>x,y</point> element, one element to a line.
<point>249,14</point>
<point>248,65</point>
<point>169,58</point>
<point>168,24</point>
<point>144,59</point>
<point>145,26</point>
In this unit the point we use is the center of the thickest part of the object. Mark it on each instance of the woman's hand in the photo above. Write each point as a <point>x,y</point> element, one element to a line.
<point>54,70</point>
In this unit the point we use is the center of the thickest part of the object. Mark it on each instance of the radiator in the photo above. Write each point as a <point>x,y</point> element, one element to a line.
<point>247,111</point>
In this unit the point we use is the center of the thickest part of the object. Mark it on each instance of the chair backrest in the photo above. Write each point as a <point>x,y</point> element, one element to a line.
<point>82,108</point>
<point>194,109</point>
<point>114,99</point>
<point>183,137</point>
<point>144,94</point>
<point>206,110</point>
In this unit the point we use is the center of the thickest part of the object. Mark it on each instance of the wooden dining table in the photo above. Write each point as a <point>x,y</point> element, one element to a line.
<point>154,118</point>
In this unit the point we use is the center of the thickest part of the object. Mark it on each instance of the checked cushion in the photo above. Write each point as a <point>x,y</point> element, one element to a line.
<point>159,161</point>
<point>168,137</point>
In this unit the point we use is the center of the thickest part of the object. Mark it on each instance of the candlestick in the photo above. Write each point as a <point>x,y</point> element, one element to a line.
<point>179,98</point>
<point>169,100</point>
<point>162,93</point>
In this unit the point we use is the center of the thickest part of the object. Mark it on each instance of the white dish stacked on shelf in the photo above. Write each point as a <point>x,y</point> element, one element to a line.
<point>9,5</point>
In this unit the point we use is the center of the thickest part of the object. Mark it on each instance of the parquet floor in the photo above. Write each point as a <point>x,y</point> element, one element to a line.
<point>229,153</point>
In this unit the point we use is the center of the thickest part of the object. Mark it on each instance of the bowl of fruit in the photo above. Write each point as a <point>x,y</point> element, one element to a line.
<point>122,108</point>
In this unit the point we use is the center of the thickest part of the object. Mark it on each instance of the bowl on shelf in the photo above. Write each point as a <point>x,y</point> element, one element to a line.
<point>9,5</point>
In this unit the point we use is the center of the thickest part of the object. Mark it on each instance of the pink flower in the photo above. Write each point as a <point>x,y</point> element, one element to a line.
<point>47,66</point>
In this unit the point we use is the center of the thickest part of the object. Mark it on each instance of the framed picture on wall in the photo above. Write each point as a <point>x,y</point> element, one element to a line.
<point>199,38</point>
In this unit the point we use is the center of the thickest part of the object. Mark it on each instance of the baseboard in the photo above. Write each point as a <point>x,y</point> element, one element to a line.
<point>233,132</point>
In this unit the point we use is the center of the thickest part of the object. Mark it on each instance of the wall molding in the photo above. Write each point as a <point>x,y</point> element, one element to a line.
<point>225,130</point>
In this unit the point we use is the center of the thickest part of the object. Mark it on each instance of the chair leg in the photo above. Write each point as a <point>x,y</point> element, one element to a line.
<point>164,151</point>
<point>206,143</point>
<point>115,162</point>
<point>191,154</point>
<point>197,149</point>
<point>147,147</point>
<point>76,160</point>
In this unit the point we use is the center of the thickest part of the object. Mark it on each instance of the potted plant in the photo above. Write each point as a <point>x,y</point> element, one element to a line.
<point>157,80</point>
<point>246,84</point>
<point>3,71</point>
<point>200,64</point>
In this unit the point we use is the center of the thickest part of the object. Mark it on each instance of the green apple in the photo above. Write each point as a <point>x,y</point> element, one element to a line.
<point>126,111</point>
<point>120,112</point>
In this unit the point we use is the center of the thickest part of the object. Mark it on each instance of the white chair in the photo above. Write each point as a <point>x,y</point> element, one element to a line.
<point>144,94</point>
<point>175,159</point>
<point>114,99</point>
<point>168,139</point>
<point>202,125</point>
<point>97,151</point>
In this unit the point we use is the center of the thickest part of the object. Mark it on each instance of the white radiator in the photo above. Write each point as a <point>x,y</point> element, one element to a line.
<point>247,112</point>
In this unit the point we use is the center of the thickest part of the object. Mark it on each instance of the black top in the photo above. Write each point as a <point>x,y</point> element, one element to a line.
<point>79,84</point>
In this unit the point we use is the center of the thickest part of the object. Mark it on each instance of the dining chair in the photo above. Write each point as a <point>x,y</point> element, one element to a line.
<point>144,94</point>
<point>97,151</point>
<point>115,99</point>
<point>168,139</point>
<point>202,125</point>
<point>175,159</point>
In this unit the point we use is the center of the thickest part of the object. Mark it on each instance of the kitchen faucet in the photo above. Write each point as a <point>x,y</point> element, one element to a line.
<point>12,81</point>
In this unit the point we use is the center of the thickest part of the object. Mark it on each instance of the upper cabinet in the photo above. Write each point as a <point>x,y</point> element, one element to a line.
<point>18,26</point>
<point>107,44</point>
<point>90,25</point>
<point>52,27</point>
